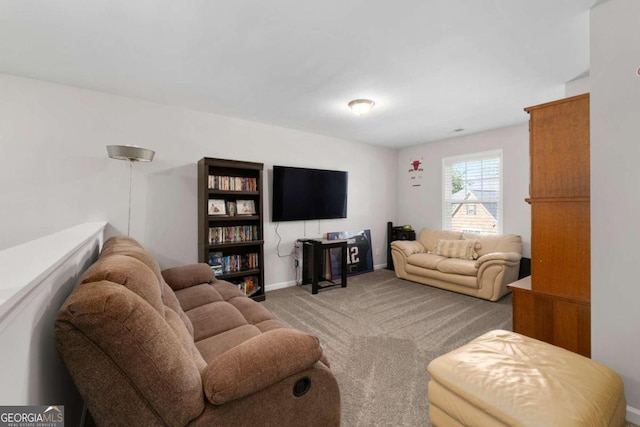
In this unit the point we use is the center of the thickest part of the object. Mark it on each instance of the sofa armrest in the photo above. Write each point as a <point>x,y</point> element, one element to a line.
<point>504,257</point>
<point>189,275</point>
<point>258,363</point>
<point>409,247</point>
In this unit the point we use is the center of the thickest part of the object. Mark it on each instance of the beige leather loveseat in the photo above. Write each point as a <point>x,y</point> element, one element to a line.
<point>479,265</point>
<point>178,347</point>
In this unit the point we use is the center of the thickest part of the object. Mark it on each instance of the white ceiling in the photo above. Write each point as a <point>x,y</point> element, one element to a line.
<point>431,66</point>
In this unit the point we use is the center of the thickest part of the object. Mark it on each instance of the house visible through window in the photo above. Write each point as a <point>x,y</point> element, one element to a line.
<point>472,193</point>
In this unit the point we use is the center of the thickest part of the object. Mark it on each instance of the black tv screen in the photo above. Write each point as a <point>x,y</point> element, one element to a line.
<point>302,194</point>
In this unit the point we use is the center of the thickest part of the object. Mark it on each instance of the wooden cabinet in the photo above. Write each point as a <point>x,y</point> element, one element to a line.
<point>559,148</point>
<point>230,222</point>
<point>554,303</point>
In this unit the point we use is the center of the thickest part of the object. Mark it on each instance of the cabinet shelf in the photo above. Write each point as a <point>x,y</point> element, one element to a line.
<point>214,246</point>
<point>236,218</point>
<point>232,192</point>
<point>242,273</point>
<point>223,173</point>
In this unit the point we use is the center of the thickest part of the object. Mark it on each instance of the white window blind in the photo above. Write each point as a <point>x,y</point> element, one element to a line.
<point>472,193</point>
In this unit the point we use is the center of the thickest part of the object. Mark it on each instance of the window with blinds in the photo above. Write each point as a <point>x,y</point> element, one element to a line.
<point>472,193</point>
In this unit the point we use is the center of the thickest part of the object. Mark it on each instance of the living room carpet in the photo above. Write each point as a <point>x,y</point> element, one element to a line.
<point>380,333</point>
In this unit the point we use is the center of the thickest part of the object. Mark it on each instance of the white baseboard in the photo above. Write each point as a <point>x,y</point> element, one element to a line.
<point>280,285</point>
<point>379,266</point>
<point>633,415</point>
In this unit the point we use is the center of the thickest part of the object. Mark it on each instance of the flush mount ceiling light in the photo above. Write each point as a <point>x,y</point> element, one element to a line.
<point>361,106</point>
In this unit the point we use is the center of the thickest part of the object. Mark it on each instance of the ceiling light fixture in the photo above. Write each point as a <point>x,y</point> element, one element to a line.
<point>361,106</point>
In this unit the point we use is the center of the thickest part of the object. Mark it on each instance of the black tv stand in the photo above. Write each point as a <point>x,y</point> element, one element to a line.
<point>313,257</point>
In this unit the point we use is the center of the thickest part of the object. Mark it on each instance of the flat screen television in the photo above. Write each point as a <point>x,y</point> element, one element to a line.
<point>303,194</point>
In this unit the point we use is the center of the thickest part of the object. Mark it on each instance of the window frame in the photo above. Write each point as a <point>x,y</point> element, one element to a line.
<point>447,201</point>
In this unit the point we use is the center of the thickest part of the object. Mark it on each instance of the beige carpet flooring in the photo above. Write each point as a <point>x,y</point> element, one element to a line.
<point>380,333</point>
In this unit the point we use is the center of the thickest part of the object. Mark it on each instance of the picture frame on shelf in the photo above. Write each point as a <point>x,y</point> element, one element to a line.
<point>245,207</point>
<point>232,209</point>
<point>217,207</point>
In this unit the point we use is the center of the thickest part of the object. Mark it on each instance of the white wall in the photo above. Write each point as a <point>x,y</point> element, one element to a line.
<point>56,172</point>
<point>32,289</point>
<point>615,192</point>
<point>422,206</point>
<point>577,87</point>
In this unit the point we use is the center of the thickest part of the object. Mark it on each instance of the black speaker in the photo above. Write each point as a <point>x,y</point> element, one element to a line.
<point>397,233</point>
<point>404,235</point>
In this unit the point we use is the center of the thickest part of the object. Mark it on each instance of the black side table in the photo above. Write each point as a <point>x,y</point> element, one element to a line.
<point>313,256</point>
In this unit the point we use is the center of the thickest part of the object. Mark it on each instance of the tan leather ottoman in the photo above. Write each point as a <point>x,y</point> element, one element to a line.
<point>506,379</point>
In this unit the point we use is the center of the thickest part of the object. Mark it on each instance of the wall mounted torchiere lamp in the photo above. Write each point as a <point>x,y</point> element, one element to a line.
<point>132,154</point>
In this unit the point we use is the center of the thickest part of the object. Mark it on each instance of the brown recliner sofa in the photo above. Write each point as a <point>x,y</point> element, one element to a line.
<point>179,347</point>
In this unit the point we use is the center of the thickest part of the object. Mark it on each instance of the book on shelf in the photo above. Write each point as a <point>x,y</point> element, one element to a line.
<point>217,270</point>
<point>233,234</point>
<point>225,264</point>
<point>249,285</point>
<point>232,209</point>
<point>232,183</point>
<point>215,261</point>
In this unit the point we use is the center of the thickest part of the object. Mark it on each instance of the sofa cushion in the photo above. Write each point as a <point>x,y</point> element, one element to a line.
<point>258,363</point>
<point>253,313</point>
<point>214,346</point>
<point>123,245</point>
<point>409,247</point>
<point>496,243</point>
<point>186,339</point>
<point>227,290</point>
<point>458,266</point>
<point>130,273</point>
<point>198,295</point>
<point>226,317</point>
<point>189,275</point>
<point>429,261</point>
<point>463,249</point>
<point>269,325</point>
<point>429,237</point>
<point>170,300</point>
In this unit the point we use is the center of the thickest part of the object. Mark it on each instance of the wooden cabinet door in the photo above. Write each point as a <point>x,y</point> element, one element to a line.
<point>561,248</point>
<point>558,321</point>
<point>559,148</point>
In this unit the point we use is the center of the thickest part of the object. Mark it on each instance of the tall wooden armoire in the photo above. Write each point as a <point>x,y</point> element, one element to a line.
<point>554,304</point>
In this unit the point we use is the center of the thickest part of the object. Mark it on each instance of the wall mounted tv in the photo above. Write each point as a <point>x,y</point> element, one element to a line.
<point>302,194</point>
